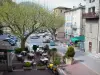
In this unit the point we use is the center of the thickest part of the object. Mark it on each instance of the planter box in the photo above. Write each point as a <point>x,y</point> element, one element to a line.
<point>41,67</point>
<point>27,68</point>
<point>69,61</point>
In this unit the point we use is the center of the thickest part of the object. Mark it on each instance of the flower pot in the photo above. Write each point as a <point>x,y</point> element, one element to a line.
<point>27,68</point>
<point>41,67</point>
<point>69,60</point>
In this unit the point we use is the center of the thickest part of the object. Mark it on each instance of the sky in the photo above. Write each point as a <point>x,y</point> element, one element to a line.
<point>55,3</point>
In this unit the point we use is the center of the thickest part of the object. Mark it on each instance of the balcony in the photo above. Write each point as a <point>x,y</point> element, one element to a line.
<point>91,15</point>
<point>74,27</point>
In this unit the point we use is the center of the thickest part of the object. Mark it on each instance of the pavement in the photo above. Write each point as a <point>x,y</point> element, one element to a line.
<point>30,72</point>
<point>84,64</point>
<point>88,61</point>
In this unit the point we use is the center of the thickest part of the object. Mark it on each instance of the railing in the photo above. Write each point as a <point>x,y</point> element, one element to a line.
<point>74,27</point>
<point>90,15</point>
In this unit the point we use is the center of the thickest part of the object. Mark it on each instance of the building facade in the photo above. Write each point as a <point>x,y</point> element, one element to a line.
<point>74,22</point>
<point>60,11</point>
<point>91,16</point>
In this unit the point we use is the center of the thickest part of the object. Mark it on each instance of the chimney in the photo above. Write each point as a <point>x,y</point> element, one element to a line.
<point>73,6</point>
<point>80,5</point>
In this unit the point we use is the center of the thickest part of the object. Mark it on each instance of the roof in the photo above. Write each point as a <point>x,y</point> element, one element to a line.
<point>5,45</point>
<point>81,7</point>
<point>62,8</point>
<point>2,37</point>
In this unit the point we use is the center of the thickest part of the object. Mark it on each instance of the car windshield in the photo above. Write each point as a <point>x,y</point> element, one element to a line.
<point>34,37</point>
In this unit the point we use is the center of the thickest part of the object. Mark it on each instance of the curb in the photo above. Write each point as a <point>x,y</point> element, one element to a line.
<point>81,63</point>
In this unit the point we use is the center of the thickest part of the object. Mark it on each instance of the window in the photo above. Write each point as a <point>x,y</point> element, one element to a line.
<point>89,1</point>
<point>93,0</point>
<point>90,28</point>
<point>61,11</point>
<point>89,10</point>
<point>93,9</point>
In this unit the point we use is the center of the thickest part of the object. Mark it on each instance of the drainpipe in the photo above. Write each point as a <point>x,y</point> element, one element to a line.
<point>98,30</point>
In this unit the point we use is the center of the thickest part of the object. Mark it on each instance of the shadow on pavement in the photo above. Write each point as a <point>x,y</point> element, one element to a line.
<point>77,61</point>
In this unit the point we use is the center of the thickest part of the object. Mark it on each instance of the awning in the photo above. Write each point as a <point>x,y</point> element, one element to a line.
<point>74,39</point>
<point>79,38</point>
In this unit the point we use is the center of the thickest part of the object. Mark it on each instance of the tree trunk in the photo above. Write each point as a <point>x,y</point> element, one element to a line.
<point>23,43</point>
<point>54,36</point>
<point>53,57</point>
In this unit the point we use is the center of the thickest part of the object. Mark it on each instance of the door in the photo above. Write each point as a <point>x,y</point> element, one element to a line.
<point>90,46</point>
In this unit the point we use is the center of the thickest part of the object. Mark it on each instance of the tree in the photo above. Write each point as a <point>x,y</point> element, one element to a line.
<point>35,47</point>
<point>54,23</point>
<point>22,18</point>
<point>53,53</point>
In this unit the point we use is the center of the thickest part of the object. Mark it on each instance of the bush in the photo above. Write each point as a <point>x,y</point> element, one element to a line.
<point>27,64</point>
<point>26,49</point>
<point>35,47</point>
<point>70,52</point>
<point>18,50</point>
<point>54,49</point>
<point>56,61</point>
<point>46,47</point>
<point>40,64</point>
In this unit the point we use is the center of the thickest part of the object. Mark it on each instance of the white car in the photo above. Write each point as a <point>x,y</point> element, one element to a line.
<point>33,41</point>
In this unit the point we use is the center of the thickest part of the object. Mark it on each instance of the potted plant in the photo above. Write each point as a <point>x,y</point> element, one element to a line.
<point>18,50</point>
<point>41,66</point>
<point>69,55</point>
<point>46,48</point>
<point>35,47</point>
<point>27,66</point>
<point>53,51</point>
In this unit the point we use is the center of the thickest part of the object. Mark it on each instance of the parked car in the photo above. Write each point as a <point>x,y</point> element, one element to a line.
<point>52,43</point>
<point>11,41</point>
<point>6,38</point>
<point>34,37</point>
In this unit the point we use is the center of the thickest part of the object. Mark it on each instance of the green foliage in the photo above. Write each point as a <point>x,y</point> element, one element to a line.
<point>35,47</point>
<point>70,52</point>
<point>56,61</point>
<point>18,50</point>
<point>1,32</point>
<point>40,64</point>
<point>46,48</point>
<point>21,18</point>
<point>27,64</point>
<point>54,49</point>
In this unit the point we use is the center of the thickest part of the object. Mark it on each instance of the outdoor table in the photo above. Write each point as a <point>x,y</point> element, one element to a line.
<point>30,55</point>
<point>44,60</point>
<point>28,61</point>
<point>23,53</point>
<point>44,54</point>
<point>20,57</point>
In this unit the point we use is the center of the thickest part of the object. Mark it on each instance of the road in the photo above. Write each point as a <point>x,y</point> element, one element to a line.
<point>39,42</point>
<point>30,72</point>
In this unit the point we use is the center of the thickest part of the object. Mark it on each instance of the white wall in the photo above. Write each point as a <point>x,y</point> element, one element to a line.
<point>73,17</point>
<point>89,5</point>
<point>91,35</point>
